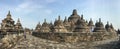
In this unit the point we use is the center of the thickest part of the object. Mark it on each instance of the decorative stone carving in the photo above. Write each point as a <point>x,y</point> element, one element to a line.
<point>74,17</point>
<point>58,26</point>
<point>37,29</point>
<point>99,27</point>
<point>45,27</point>
<point>81,26</point>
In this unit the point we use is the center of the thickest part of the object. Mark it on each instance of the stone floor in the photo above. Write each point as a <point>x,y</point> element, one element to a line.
<point>32,42</point>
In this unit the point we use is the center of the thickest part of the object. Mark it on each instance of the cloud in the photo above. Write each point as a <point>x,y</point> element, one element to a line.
<point>30,7</point>
<point>24,5</point>
<point>32,10</point>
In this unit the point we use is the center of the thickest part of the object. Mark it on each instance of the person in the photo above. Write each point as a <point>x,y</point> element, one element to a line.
<point>24,34</point>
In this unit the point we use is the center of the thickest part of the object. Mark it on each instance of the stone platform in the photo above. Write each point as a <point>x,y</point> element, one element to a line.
<point>75,37</point>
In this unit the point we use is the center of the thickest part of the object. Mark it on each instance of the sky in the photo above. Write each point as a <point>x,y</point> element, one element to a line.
<point>31,12</point>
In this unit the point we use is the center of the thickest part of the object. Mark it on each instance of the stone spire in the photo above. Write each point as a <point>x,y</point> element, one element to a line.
<point>18,20</point>
<point>65,20</point>
<point>91,25</point>
<point>38,26</point>
<point>8,15</point>
<point>118,31</point>
<point>45,23</point>
<point>8,23</point>
<point>82,16</point>
<point>67,24</point>
<point>90,22</point>
<point>18,26</point>
<point>100,24</point>
<point>74,12</point>
<point>81,26</point>
<point>45,27</point>
<point>99,19</point>
<point>45,20</point>
<point>38,23</point>
<point>59,17</point>
<point>58,26</point>
<point>111,26</point>
<point>86,21</point>
<point>58,22</point>
<point>108,22</point>
<point>99,27</point>
<point>51,25</point>
<point>37,29</point>
<point>107,25</point>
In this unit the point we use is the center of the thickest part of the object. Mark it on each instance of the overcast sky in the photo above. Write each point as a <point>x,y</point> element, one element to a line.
<point>31,12</point>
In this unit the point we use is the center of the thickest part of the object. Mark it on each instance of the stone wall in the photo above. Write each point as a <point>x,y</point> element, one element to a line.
<point>74,37</point>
